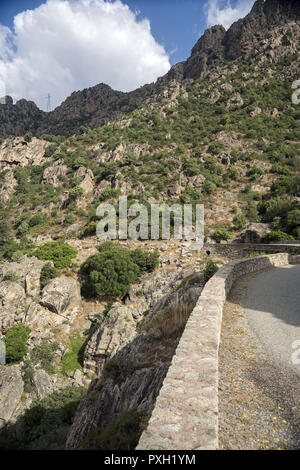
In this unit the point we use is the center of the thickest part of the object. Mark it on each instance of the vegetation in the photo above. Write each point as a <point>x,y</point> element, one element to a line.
<point>48,272</point>
<point>43,418</point>
<point>16,343</point>
<point>122,434</point>
<point>114,269</point>
<point>73,358</point>
<point>59,252</point>
<point>210,270</point>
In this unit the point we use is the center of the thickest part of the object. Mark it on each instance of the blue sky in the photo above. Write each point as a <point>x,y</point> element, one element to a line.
<point>58,46</point>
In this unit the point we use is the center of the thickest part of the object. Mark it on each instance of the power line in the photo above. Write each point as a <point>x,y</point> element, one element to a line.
<point>48,102</point>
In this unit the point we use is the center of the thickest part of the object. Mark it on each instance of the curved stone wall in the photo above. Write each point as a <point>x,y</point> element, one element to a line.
<point>185,416</point>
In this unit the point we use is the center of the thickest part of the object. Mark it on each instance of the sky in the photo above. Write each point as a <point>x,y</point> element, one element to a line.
<point>61,46</point>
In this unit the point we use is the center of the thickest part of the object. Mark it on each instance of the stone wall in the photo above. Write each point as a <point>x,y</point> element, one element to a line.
<point>185,416</point>
<point>239,250</point>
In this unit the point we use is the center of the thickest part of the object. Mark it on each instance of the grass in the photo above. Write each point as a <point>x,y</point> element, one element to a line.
<point>73,359</point>
<point>169,322</point>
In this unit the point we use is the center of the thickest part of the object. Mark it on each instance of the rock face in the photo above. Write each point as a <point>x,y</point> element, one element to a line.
<point>60,294</point>
<point>96,105</point>
<point>137,365</point>
<point>254,233</point>
<point>18,152</point>
<point>117,330</point>
<point>11,389</point>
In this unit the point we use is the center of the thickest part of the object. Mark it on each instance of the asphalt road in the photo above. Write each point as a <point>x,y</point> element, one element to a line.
<point>271,306</point>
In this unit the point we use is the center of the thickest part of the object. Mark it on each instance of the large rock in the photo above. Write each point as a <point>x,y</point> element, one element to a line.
<point>7,187</point>
<point>254,233</point>
<point>17,152</point>
<point>117,330</point>
<point>52,173</point>
<point>11,389</point>
<point>28,272</point>
<point>43,383</point>
<point>61,294</point>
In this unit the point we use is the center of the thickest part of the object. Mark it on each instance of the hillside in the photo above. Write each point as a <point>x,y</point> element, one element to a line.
<point>97,105</point>
<point>219,129</point>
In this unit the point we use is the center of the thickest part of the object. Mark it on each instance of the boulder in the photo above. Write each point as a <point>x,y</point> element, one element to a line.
<point>61,294</point>
<point>11,389</point>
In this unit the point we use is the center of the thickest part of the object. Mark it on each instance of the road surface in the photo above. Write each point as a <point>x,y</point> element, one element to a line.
<point>272,308</point>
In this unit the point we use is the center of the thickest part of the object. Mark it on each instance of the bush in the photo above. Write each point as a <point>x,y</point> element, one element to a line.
<point>122,434</point>
<point>48,272</point>
<point>221,234</point>
<point>114,269</point>
<point>239,222</point>
<point>210,270</point>
<point>59,252</point>
<point>10,276</point>
<point>16,343</point>
<point>44,355</point>
<point>110,272</point>
<point>276,236</point>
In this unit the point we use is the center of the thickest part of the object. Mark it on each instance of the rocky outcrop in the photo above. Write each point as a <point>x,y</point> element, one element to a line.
<point>7,187</point>
<point>11,389</point>
<point>117,330</point>
<point>52,173</point>
<point>18,152</point>
<point>60,295</point>
<point>133,361</point>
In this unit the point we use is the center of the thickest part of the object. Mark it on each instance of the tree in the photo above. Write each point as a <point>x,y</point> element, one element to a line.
<point>16,343</point>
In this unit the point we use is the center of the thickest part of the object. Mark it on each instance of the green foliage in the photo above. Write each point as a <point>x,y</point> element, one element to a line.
<point>210,270</point>
<point>44,355</point>
<point>221,234</point>
<point>68,220</point>
<point>28,376</point>
<point>110,273</point>
<point>114,269</point>
<point>10,276</point>
<point>239,222</point>
<point>28,137</point>
<point>44,417</point>
<point>122,434</point>
<point>73,358</point>
<point>276,236</point>
<point>16,343</point>
<point>59,252</point>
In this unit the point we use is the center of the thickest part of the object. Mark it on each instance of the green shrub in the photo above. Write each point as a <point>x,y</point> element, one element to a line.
<point>16,343</point>
<point>59,252</point>
<point>44,355</point>
<point>122,434</point>
<point>10,276</point>
<point>210,270</point>
<point>239,222</point>
<point>28,137</point>
<point>276,236</point>
<point>114,269</point>
<point>110,272</point>
<point>221,234</point>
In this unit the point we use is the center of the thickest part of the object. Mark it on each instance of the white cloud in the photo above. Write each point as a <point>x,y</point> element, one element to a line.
<point>220,12</point>
<point>67,45</point>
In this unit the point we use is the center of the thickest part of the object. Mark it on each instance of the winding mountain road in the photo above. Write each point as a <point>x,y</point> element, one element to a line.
<point>271,306</point>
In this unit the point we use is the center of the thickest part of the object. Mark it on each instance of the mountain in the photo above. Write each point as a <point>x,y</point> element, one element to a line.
<point>91,327</point>
<point>97,105</point>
